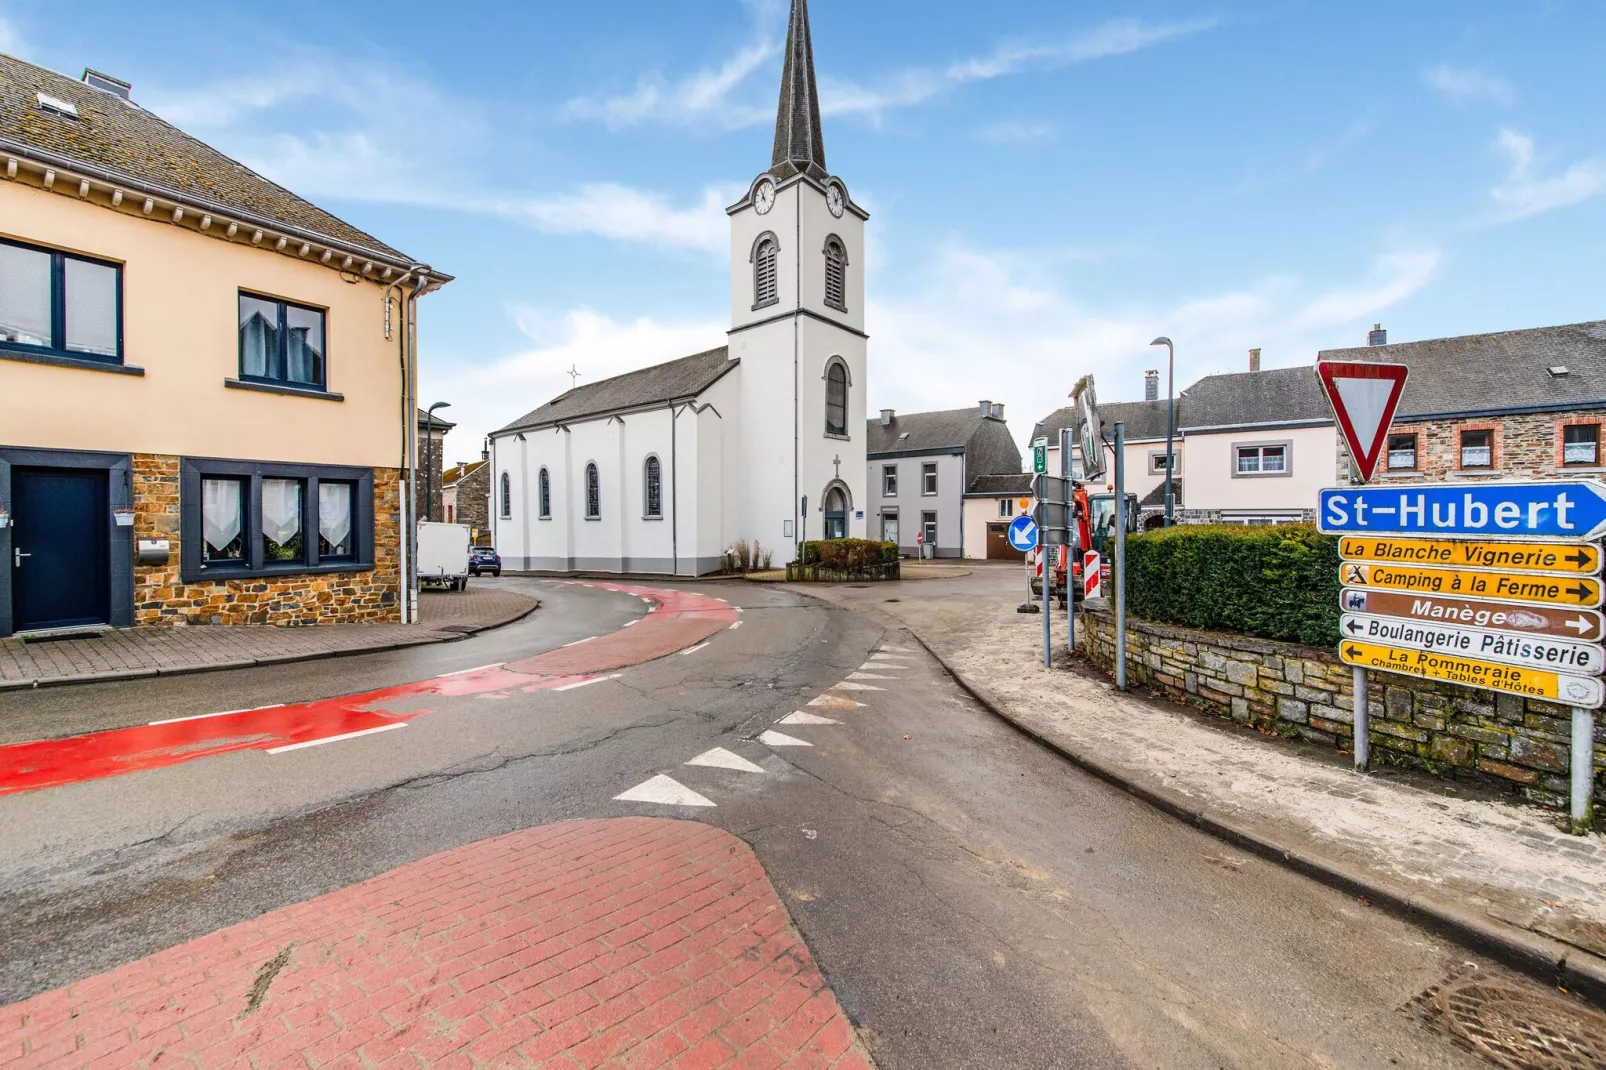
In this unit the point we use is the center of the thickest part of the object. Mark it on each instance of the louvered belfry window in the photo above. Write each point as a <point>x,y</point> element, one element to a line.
<point>655,488</point>
<point>593,492</point>
<point>765,286</point>
<point>836,275</point>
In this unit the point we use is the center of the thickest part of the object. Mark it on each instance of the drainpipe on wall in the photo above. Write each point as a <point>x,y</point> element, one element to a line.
<point>409,349</point>
<point>674,490</point>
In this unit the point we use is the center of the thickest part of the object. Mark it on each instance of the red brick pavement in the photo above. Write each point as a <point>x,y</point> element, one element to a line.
<point>626,943</point>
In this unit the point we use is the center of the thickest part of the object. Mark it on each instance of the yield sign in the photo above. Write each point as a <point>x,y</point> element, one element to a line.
<point>1364,396</point>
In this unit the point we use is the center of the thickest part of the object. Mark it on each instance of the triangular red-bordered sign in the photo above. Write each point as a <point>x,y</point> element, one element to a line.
<point>1364,395</point>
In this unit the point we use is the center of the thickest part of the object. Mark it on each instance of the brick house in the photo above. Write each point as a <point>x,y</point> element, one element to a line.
<point>466,497</point>
<point>200,380</point>
<point>1524,404</point>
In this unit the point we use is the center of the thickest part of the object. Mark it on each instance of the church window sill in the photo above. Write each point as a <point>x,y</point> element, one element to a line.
<point>771,303</point>
<point>590,518</point>
<point>650,517</point>
<point>839,438</point>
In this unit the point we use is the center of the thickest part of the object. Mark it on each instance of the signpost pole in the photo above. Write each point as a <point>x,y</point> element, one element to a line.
<point>1048,588</point>
<point>1363,722</point>
<point>1583,763</point>
<point>1071,548</point>
<point>1120,556</point>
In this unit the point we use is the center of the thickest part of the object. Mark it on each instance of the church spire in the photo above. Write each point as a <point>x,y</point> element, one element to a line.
<point>799,148</point>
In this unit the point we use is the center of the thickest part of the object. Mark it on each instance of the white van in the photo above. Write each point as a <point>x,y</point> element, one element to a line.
<point>443,555</point>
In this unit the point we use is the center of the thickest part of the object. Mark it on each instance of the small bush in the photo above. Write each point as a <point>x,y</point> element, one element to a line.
<point>1277,582</point>
<point>849,553</point>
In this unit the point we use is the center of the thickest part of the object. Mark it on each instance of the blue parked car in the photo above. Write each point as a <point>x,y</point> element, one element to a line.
<point>484,559</point>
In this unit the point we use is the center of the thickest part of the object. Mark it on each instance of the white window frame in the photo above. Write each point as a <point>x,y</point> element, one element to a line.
<point>889,481</point>
<point>928,475</point>
<point>1260,448</point>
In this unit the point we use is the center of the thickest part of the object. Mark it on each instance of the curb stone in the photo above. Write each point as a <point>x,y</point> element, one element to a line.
<point>1548,961</point>
<point>426,639</point>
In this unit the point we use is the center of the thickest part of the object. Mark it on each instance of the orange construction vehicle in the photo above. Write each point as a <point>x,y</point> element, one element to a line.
<point>1095,529</point>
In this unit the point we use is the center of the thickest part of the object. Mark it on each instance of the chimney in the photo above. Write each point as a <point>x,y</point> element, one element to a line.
<point>998,410</point>
<point>1254,360</point>
<point>1151,385</point>
<point>886,417</point>
<point>985,407</point>
<point>1377,336</point>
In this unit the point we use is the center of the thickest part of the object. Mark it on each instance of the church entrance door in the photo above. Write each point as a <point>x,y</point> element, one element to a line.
<point>836,514</point>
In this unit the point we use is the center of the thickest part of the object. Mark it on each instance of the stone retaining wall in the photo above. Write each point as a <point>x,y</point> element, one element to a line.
<point>161,596</point>
<point>1306,691</point>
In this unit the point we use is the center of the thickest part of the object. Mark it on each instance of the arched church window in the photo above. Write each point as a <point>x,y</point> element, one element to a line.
<point>545,487</point>
<point>507,497</point>
<point>766,287</point>
<point>836,274</point>
<point>593,492</point>
<point>655,488</point>
<point>836,399</point>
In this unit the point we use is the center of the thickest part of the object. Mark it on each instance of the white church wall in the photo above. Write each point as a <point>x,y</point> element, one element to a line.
<point>746,227</point>
<point>819,225</point>
<point>819,452</point>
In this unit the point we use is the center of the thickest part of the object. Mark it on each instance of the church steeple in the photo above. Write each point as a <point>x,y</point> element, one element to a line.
<point>799,148</point>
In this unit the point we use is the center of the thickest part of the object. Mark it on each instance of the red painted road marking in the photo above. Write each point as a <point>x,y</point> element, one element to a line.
<point>684,619</point>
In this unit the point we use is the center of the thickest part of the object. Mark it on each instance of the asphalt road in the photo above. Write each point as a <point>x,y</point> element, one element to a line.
<point>974,901</point>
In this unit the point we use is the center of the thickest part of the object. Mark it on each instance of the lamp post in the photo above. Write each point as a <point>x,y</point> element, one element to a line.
<point>1170,419</point>
<point>429,456</point>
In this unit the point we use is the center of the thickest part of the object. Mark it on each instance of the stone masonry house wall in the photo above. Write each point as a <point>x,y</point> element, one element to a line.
<point>1307,692</point>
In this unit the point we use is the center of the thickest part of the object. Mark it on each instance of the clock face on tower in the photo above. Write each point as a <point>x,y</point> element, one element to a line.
<point>835,201</point>
<point>764,197</point>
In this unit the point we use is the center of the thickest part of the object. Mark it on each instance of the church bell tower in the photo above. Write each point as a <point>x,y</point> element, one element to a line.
<point>797,326</point>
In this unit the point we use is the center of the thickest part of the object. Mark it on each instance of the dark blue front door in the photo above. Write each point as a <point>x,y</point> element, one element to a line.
<point>60,560</point>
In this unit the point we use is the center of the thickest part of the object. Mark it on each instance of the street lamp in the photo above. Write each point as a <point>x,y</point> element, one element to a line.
<point>1170,419</point>
<point>429,459</point>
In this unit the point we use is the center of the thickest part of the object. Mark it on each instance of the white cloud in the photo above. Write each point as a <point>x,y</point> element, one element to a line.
<point>1524,193</point>
<point>1463,83</point>
<point>11,38</point>
<point>1018,132</point>
<point>595,344</point>
<point>1118,37</point>
<point>712,96</point>
<point>620,213</point>
<point>984,325</point>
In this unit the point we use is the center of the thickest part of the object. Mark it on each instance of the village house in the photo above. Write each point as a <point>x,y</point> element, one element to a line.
<point>206,382</point>
<point>466,497</point>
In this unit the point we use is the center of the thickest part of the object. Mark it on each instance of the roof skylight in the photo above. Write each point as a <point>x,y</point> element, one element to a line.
<point>57,106</point>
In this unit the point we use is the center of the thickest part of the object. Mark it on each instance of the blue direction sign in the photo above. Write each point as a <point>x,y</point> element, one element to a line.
<point>1575,509</point>
<point>1023,533</point>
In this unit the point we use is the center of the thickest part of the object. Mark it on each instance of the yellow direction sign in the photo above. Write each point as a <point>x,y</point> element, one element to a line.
<point>1584,691</point>
<point>1576,559</point>
<point>1500,586</point>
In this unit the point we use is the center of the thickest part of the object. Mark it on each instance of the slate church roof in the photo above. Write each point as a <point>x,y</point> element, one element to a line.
<point>1502,372</point>
<point>799,145</point>
<point>116,135</point>
<point>676,380</point>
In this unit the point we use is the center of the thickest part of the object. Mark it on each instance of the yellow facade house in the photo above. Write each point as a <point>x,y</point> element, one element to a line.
<point>206,383</point>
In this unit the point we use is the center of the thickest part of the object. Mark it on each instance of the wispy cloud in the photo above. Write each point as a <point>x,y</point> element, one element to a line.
<point>718,95</point>
<point>1018,132</point>
<point>1525,193</point>
<point>11,41</point>
<point>985,324</point>
<point>1118,37</point>
<point>1464,83</point>
<point>620,213</point>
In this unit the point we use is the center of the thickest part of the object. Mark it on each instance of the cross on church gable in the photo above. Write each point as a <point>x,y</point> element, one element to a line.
<point>837,460</point>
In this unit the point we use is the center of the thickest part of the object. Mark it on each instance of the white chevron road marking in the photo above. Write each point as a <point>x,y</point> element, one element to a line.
<point>663,790</point>
<point>805,718</point>
<point>773,738</point>
<point>720,758</point>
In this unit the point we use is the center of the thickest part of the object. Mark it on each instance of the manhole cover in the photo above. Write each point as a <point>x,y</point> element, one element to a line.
<point>1525,1030</point>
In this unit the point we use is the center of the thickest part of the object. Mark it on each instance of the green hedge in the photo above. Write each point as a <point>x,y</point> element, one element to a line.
<point>849,553</point>
<point>1277,582</point>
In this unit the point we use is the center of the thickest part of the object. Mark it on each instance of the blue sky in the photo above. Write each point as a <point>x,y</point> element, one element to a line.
<point>1051,184</point>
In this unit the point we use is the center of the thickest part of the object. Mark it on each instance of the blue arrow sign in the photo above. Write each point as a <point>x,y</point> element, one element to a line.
<point>1023,533</point>
<point>1575,509</point>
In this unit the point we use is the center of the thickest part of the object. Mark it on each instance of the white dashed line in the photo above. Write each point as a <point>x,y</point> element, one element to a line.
<point>336,739</point>
<point>856,687</point>
<point>868,676</point>
<point>664,790</point>
<point>464,672</point>
<point>587,683</point>
<point>225,713</point>
<point>720,758</point>
<point>733,627</point>
<point>693,649</point>
<point>773,738</point>
<point>577,642</point>
<point>805,718</point>
<point>629,623</point>
<point>835,702</point>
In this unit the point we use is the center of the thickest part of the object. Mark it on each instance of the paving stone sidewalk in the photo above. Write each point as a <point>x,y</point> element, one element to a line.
<point>619,943</point>
<point>121,654</point>
<point>1503,861</point>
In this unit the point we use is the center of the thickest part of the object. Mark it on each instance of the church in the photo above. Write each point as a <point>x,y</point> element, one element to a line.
<point>663,469</point>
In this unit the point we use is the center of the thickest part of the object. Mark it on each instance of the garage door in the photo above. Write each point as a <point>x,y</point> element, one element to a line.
<point>998,548</point>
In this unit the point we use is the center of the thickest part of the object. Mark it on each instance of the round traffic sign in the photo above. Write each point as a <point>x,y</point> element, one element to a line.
<point>1023,533</point>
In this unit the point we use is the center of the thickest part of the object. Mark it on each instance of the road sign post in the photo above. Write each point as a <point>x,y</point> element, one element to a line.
<point>1120,556</point>
<point>1074,545</point>
<point>1487,585</point>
